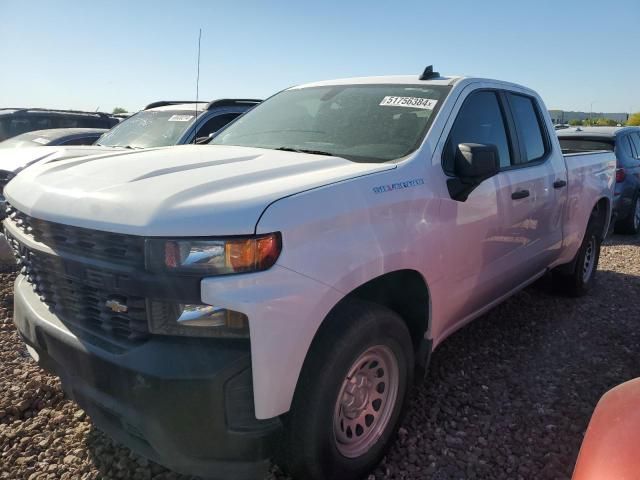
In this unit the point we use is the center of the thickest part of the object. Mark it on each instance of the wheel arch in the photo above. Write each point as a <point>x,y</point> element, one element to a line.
<point>602,213</point>
<point>405,292</point>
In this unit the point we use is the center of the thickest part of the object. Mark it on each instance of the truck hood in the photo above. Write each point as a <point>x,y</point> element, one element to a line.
<point>176,191</point>
<point>14,159</point>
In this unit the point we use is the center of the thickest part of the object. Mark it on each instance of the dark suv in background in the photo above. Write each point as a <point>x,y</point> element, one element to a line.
<point>625,142</point>
<point>54,137</point>
<point>15,121</point>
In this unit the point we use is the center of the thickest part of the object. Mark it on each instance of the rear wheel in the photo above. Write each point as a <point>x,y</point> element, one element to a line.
<point>631,224</point>
<point>578,281</point>
<point>351,394</point>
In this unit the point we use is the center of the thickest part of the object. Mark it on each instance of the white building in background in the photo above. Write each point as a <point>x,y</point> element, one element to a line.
<point>562,116</point>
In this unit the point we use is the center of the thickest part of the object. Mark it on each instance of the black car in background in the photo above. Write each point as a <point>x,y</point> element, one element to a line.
<point>15,121</point>
<point>54,137</point>
<point>625,142</point>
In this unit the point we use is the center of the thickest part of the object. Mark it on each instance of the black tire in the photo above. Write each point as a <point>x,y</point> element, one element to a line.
<point>311,449</point>
<point>630,225</point>
<point>580,278</point>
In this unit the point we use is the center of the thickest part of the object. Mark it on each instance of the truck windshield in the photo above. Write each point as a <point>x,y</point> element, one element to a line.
<point>149,129</point>
<point>365,123</point>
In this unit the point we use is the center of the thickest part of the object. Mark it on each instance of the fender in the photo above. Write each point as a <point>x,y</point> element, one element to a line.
<point>321,262</point>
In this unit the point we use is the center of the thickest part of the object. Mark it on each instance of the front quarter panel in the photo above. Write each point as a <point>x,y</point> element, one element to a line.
<point>335,239</point>
<point>280,334</point>
<point>345,234</point>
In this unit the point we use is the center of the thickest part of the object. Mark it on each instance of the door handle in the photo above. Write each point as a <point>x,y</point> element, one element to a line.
<point>520,194</point>
<point>559,184</point>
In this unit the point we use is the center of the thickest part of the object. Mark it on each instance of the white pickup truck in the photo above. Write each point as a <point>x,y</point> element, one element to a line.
<point>273,293</point>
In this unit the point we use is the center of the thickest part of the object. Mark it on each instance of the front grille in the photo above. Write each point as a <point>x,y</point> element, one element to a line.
<point>116,247</point>
<point>78,293</point>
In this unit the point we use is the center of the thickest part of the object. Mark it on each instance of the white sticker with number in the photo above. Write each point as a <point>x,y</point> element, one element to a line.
<point>180,118</point>
<point>411,102</point>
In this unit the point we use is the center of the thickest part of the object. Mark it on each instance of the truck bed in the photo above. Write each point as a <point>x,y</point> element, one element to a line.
<point>588,174</point>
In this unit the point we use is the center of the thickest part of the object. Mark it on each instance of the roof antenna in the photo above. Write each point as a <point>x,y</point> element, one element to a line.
<point>428,73</point>
<point>197,86</point>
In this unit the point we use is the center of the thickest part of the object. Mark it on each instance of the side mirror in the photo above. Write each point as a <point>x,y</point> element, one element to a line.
<point>473,163</point>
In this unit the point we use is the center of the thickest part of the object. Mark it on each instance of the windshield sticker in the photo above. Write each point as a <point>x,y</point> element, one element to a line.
<point>41,141</point>
<point>180,118</point>
<point>412,102</point>
<point>399,185</point>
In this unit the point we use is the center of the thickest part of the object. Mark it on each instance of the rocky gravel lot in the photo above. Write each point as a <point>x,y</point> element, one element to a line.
<point>508,396</point>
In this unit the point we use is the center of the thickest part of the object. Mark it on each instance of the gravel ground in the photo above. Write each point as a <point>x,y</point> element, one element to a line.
<point>508,396</point>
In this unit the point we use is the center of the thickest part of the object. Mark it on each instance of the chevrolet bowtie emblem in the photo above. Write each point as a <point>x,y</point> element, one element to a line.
<point>116,306</point>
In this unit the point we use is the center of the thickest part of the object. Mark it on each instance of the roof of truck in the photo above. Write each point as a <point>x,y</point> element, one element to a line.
<point>609,132</point>
<point>448,80</point>
<point>389,79</point>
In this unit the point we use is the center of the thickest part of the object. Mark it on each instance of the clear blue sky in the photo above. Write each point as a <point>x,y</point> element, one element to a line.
<point>90,54</point>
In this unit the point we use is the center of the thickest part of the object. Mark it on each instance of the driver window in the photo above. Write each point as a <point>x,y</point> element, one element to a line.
<point>480,120</point>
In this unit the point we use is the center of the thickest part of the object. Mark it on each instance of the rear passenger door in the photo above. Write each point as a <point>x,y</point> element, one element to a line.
<point>538,181</point>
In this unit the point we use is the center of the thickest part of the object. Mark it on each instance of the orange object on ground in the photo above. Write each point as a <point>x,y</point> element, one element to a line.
<point>611,447</point>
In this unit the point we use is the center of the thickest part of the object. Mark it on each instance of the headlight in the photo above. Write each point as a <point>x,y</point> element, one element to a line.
<point>213,257</point>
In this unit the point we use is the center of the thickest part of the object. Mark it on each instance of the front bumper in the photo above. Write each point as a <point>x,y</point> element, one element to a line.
<point>186,403</point>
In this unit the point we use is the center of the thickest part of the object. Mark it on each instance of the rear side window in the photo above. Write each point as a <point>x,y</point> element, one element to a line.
<point>28,123</point>
<point>78,121</point>
<point>480,120</point>
<point>624,148</point>
<point>529,127</point>
<point>630,147</point>
<point>635,141</point>
<point>66,122</point>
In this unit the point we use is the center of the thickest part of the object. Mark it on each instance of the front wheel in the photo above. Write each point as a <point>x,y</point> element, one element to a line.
<point>351,394</point>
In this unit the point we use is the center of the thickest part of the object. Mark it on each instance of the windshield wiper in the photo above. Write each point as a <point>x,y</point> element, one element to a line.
<point>304,150</point>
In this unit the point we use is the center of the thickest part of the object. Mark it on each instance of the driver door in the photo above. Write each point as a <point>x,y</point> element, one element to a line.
<point>481,249</point>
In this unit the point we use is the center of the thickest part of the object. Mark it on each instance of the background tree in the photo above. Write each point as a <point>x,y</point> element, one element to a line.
<point>575,122</point>
<point>119,110</point>
<point>605,122</point>
<point>634,119</point>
